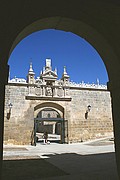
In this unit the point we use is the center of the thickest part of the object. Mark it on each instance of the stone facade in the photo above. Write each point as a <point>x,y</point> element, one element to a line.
<point>84,110</point>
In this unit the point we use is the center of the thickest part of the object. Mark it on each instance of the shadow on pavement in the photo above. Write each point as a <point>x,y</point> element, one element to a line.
<point>29,169</point>
<point>97,166</point>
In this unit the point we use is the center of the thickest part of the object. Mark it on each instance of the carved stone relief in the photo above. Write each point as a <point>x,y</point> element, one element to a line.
<point>49,91</point>
<point>38,91</point>
<point>60,92</point>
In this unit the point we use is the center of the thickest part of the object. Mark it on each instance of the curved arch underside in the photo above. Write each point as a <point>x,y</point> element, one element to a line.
<point>96,21</point>
<point>80,28</point>
<point>49,104</point>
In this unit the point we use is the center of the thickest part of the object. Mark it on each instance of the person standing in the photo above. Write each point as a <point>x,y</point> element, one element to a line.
<point>45,137</point>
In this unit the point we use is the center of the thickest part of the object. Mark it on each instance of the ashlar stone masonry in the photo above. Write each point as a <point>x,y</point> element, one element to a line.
<point>75,112</point>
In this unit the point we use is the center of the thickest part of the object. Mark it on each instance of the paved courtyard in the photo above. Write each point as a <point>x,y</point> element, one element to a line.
<point>93,160</point>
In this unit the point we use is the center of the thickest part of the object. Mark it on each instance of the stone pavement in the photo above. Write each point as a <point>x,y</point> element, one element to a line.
<point>94,160</point>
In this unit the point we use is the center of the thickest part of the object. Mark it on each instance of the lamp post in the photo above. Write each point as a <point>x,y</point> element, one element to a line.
<point>9,113</point>
<point>10,107</point>
<point>88,110</point>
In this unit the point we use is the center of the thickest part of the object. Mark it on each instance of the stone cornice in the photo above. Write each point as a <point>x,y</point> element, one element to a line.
<point>32,97</point>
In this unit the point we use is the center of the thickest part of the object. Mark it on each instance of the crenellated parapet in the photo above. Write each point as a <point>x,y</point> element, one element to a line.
<point>87,85</point>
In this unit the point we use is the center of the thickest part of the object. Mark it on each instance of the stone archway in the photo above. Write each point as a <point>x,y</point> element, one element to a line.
<point>49,117</point>
<point>90,34</point>
<point>100,16</point>
<point>96,39</point>
<point>79,28</point>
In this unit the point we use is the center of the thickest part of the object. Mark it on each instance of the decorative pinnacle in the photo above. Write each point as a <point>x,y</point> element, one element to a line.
<point>31,69</point>
<point>65,70</point>
<point>41,72</point>
<point>97,81</point>
<point>55,71</point>
<point>43,69</point>
<point>65,75</point>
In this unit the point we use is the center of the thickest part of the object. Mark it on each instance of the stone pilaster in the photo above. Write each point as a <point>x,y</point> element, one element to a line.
<point>43,90</point>
<point>55,92</point>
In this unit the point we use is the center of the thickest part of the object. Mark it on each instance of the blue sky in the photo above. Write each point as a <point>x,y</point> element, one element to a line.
<point>65,49</point>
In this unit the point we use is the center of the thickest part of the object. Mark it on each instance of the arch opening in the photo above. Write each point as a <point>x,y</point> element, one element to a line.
<point>64,25</point>
<point>109,53</point>
<point>49,118</point>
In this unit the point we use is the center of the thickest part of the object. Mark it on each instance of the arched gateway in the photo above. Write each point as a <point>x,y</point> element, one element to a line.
<point>73,112</point>
<point>49,117</point>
